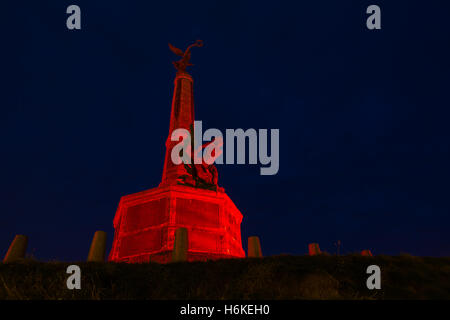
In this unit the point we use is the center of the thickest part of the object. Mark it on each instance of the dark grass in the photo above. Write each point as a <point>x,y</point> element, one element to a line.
<point>276,277</point>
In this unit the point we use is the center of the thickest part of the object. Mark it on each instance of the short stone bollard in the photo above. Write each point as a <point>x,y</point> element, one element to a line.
<point>17,249</point>
<point>254,247</point>
<point>180,245</point>
<point>98,247</point>
<point>314,249</point>
<point>366,253</point>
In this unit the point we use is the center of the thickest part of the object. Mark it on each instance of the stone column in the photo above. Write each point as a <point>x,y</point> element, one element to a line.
<point>182,116</point>
<point>180,246</point>
<point>314,249</point>
<point>98,247</point>
<point>254,247</point>
<point>366,253</point>
<point>17,249</point>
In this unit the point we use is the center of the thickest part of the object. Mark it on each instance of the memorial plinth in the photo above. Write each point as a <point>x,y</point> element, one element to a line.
<point>145,225</point>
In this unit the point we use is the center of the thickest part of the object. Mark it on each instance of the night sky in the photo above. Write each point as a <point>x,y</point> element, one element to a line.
<point>363,118</point>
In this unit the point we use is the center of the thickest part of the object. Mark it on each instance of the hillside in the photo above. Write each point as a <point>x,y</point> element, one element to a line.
<point>276,277</point>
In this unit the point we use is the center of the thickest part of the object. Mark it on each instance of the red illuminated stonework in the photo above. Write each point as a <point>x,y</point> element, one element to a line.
<point>188,196</point>
<point>145,225</point>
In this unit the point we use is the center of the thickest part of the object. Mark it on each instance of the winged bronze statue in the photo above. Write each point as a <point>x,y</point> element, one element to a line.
<point>183,63</point>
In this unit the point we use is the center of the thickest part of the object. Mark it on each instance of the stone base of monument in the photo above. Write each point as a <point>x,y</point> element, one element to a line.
<point>145,225</point>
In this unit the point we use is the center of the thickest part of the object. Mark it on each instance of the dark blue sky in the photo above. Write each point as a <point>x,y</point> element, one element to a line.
<point>363,118</point>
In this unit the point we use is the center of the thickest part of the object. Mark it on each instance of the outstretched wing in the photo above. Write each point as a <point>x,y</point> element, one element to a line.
<point>175,50</point>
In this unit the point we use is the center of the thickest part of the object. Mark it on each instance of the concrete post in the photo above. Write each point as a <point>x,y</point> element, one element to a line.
<point>180,245</point>
<point>254,247</point>
<point>17,249</point>
<point>314,249</point>
<point>98,247</point>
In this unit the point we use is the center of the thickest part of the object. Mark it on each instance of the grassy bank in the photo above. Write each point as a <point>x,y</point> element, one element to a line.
<point>277,277</point>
